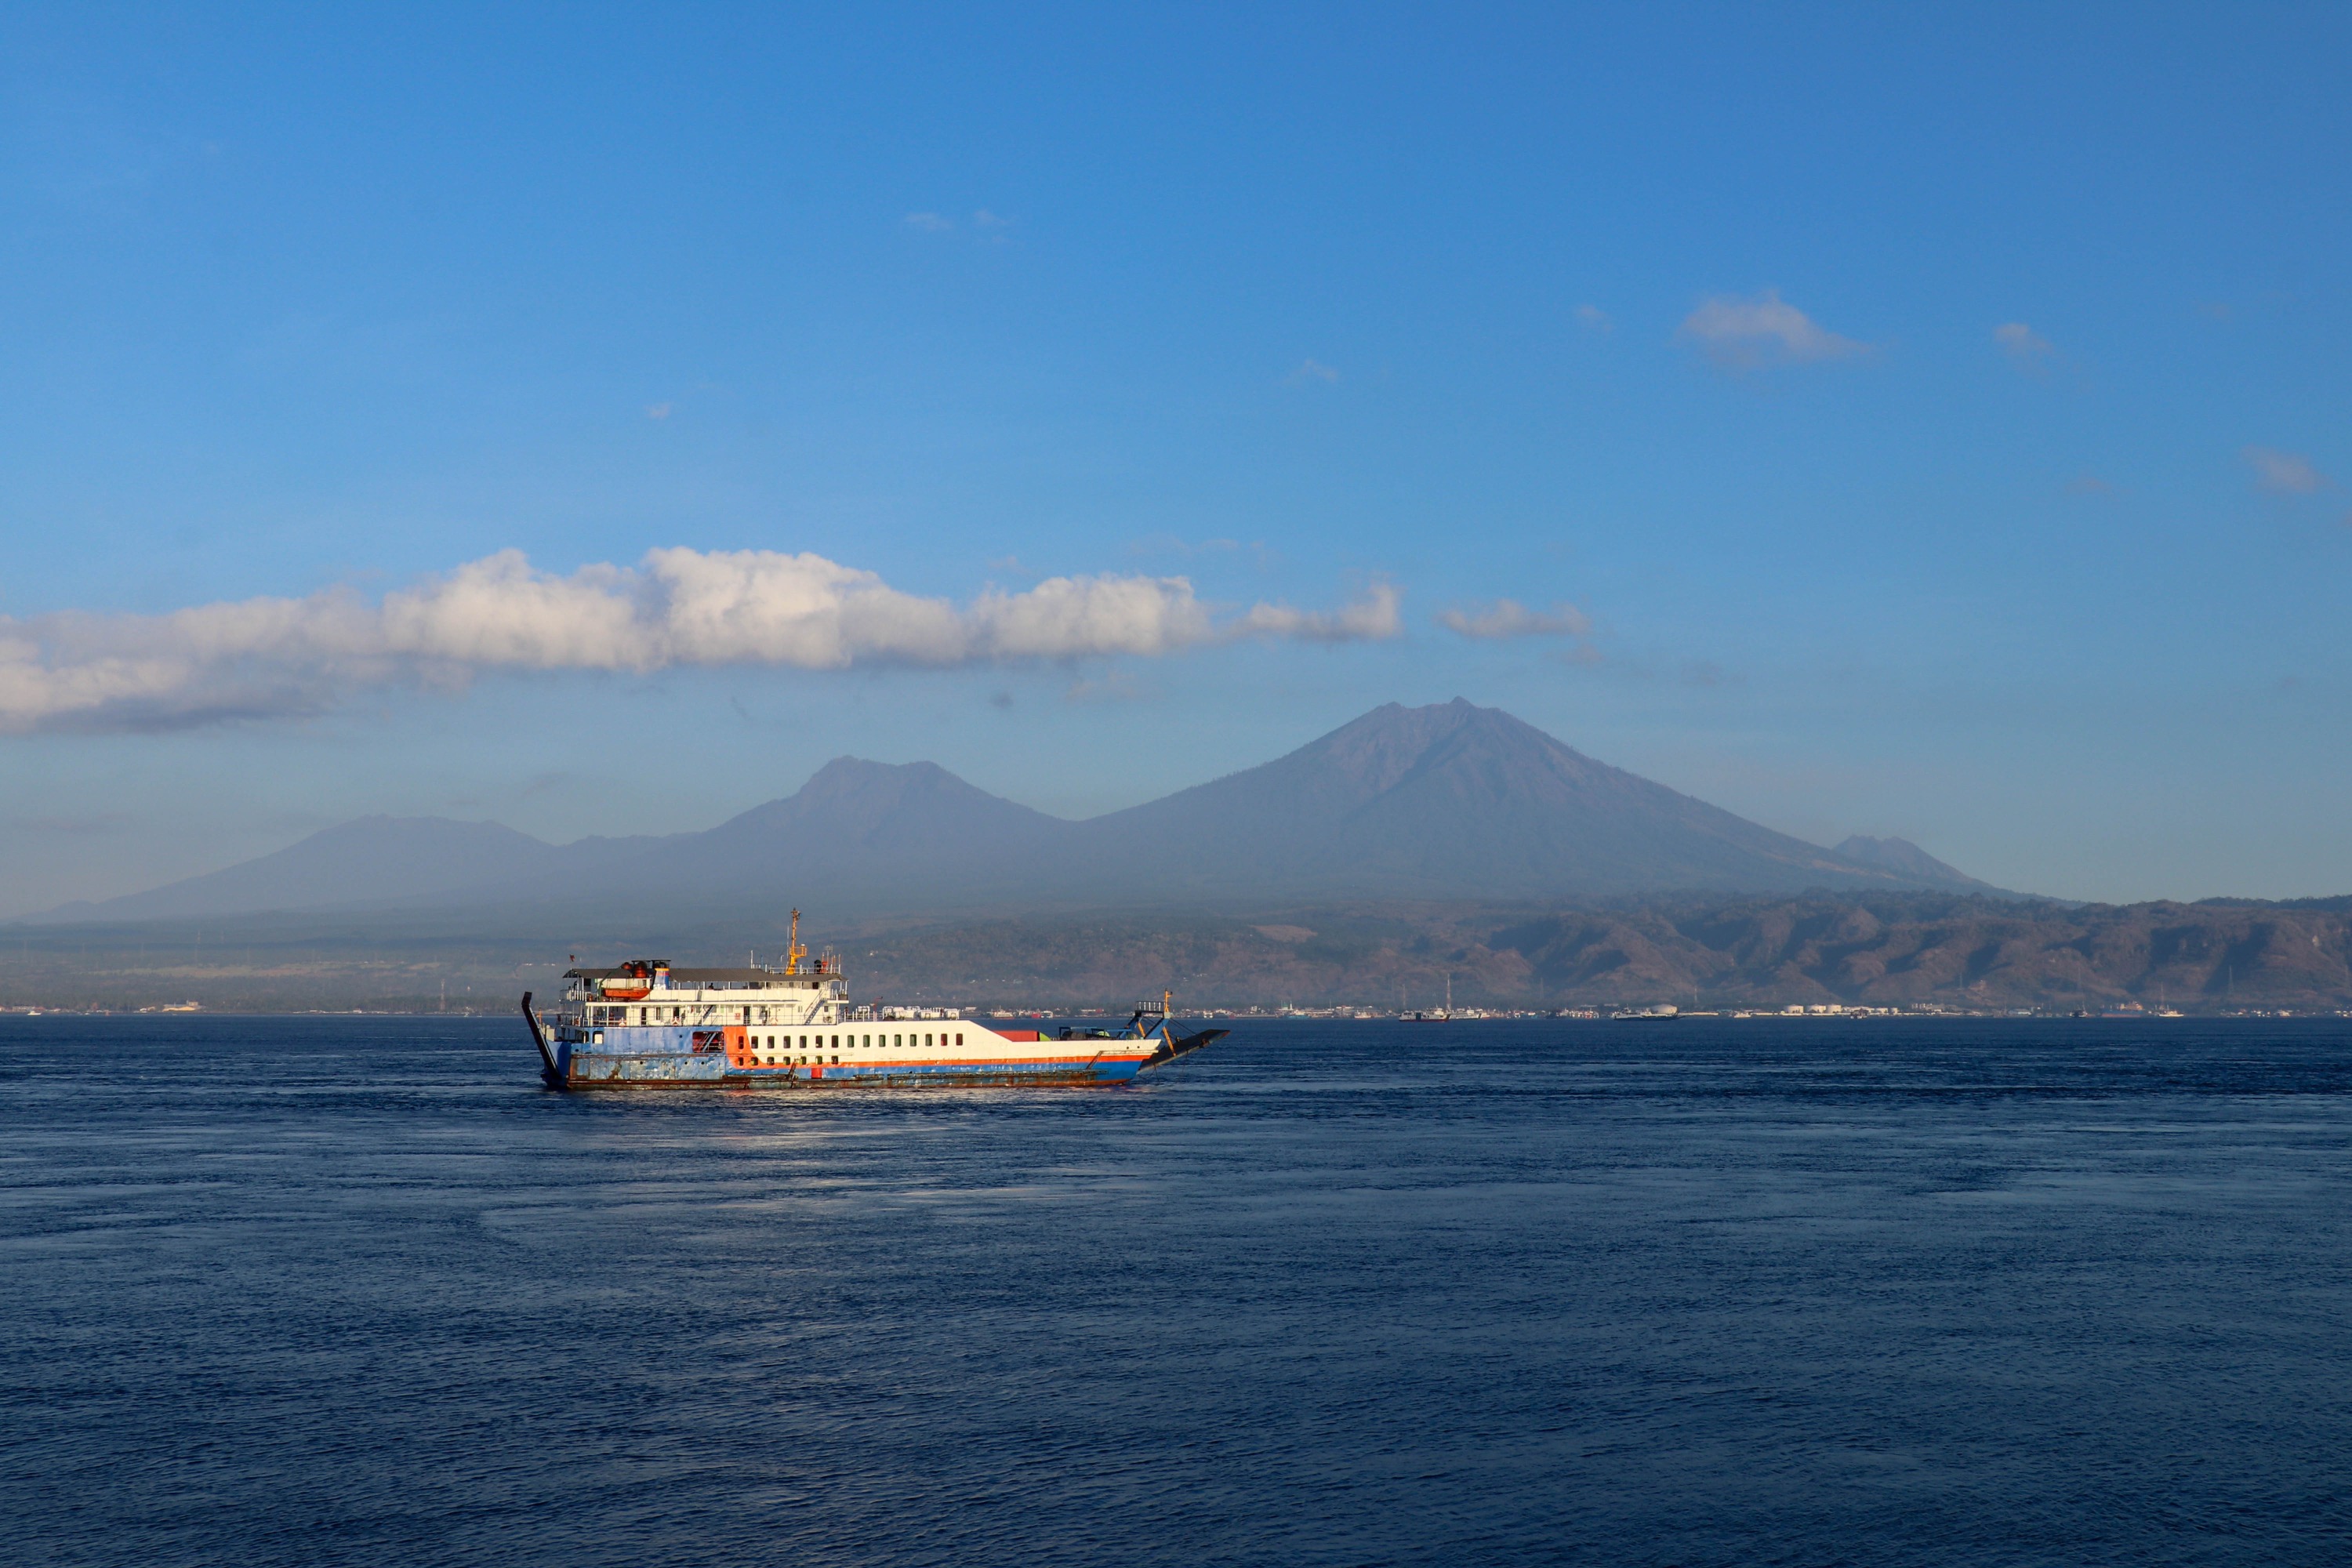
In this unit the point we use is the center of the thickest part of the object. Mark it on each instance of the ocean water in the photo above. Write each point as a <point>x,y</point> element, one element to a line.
<point>357,1291</point>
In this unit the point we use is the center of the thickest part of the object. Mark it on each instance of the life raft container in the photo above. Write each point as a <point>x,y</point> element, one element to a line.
<point>634,983</point>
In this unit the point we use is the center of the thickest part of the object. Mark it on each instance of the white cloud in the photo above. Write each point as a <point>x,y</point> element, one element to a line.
<point>1373,618</point>
<point>1509,618</point>
<point>2021,342</point>
<point>1595,318</point>
<point>1740,334</point>
<point>2289,473</point>
<point>1313,370</point>
<point>656,410</point>
<point>275,657</point>
<point>930,223</point>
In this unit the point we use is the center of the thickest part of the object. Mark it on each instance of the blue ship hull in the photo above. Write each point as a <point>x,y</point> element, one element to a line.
<point>606,1068</point>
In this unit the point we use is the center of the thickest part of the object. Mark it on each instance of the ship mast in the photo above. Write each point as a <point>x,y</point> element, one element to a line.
<point>793,951</point>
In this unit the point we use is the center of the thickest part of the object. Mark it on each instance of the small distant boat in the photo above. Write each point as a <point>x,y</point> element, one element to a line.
<point>1646,1014</point>
<point>1428,1018</point>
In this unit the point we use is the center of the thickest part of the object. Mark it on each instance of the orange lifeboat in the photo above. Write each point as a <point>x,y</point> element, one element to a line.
<point>634,983</point>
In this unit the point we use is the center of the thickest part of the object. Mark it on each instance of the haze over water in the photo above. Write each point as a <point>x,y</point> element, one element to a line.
<point>304,1290</point>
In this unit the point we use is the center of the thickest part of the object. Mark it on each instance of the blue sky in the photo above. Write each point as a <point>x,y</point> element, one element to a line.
<point>1886,422</point>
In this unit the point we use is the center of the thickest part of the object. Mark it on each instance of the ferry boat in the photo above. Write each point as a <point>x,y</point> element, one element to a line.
<point>645,1025</point>
<point>1427,1017</point>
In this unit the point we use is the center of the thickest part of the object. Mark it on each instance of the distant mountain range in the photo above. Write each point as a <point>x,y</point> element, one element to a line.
<point>1964,951</point>
<point>1450,802</point>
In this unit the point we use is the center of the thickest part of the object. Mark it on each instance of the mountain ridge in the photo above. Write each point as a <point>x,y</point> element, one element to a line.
<point>1439,800</point>
<point>1948,950</point>
<point>1447,801</point>
<point>403,856</point>
<point>1907,858</point>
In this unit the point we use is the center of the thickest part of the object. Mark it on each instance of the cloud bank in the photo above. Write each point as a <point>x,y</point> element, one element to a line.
<point>1742,334</point>
<point>1373,618</point>
<point>1508,618</point>
<point>270,658</point>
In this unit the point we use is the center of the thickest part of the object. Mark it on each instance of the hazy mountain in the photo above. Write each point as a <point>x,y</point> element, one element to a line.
<point>1908,860</point>
<point>1446,802</point>
<point>867,833</point>
<point>1452,801</point>
<point>374,860</point>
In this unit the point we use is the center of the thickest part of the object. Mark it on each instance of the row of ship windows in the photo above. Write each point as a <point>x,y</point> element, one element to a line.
<point>619,1018</point>
<point>771,1044</point>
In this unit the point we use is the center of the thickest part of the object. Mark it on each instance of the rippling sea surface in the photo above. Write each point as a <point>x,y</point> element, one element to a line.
<point>356,1290</point>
